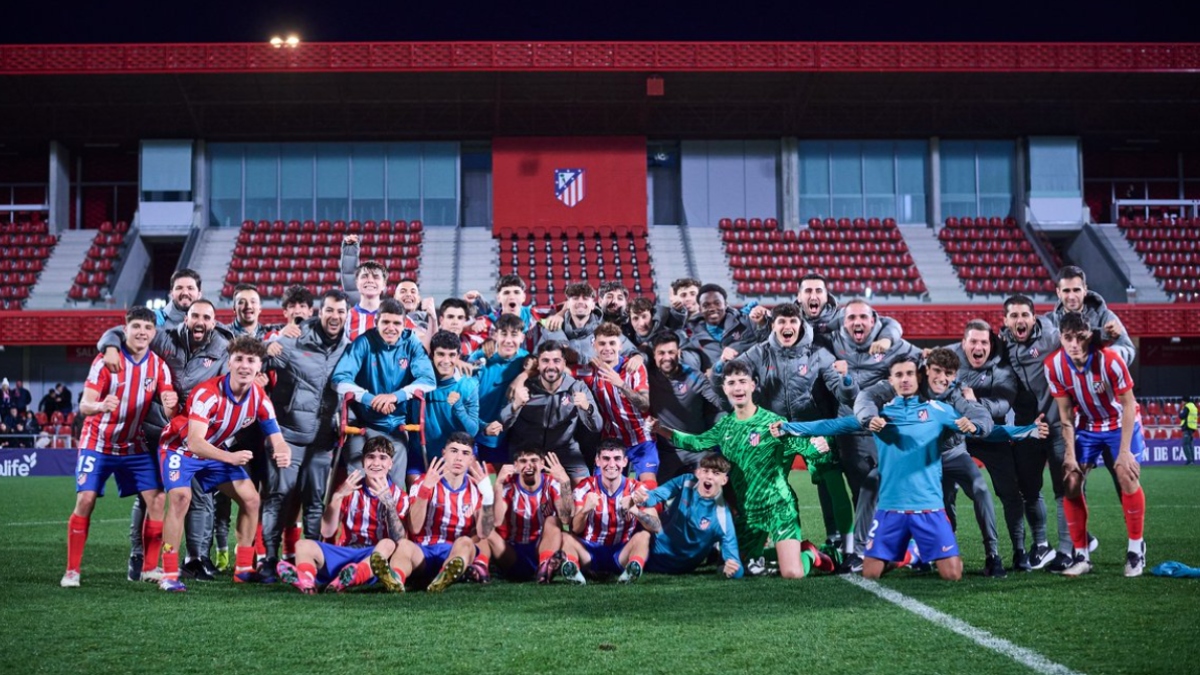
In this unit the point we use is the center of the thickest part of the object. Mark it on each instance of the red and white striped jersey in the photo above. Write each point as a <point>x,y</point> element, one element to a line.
<point>450,514</point>
<point>528,509</point>
<point>607,525</point>
<point>362,524</point>
<point>475,334</point>
<point>120,432</point>
<point>1094,388</point>
<point>622,420</point>
<point>359,321</point>
<point>213,403</point>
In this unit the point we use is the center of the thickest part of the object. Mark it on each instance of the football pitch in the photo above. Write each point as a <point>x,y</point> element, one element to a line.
<point>908,623</point>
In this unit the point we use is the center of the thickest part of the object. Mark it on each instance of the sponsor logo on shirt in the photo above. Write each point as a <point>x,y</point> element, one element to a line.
<point>1033,351</point>
<point>207,363</point>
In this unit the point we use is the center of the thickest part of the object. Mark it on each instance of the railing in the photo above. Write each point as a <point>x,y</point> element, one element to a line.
<point>1146,205</point>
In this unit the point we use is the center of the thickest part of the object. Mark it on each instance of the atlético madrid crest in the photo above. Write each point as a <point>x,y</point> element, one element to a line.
<point>568,186</point>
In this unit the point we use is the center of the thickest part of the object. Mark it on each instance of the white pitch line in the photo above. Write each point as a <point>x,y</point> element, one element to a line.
<point>41,523</point>
<point>1026,657</point>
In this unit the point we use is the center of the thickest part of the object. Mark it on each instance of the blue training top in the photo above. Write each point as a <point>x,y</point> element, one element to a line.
<point>691,527</point>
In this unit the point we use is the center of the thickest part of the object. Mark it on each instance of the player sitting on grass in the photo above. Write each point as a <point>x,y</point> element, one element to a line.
<point>369,509</point>
<point>193,446</point>
<point>696,521</point>
<point>452,510</point>
<point>534,497</point>
<point>759,476</point>
<point>113,443</point>
<point>605,534</point>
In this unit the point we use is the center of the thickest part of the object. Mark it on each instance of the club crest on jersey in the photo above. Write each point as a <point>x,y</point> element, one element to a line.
<point>878,358</point>
<point>803,369</point>
<point>547,510</point>
<point>207,363</point>
<point>1097,386</point>
<point>704,523</point>
<point>464,509</point>
<point>681,387</point>
<point>246,422</point>
<point>754,439</point>
<point>564,400</point>
<point>403,363</point>
<point>923,415</point>
<point>568,186</point>
<point>148,383</point>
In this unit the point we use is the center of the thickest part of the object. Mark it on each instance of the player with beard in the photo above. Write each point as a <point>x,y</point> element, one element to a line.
<point>306,407</point>
<point>853,345</point>
<point>185,289</point>
<point>195,351</point>
<point>681,398</point>
<point>820,311</point>
<point>614,302</point>
<point>796,380</point>
<point>1074,296</point>
<point>548,409</point>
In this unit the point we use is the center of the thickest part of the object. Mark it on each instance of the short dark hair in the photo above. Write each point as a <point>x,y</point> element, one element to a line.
<point>391,306</point>
<point>815,276</point>
<point>529,449</point>
<point>713,288</point>
<point>580,290</point>
<point>610,444</point>
<point>510,280</point>
<point>786,309</point>
<point>716,462</point>
<point>610,286</point>
<point>1018,300</point>
<point>140,314</point>
<point>509,322</point>
<point>244,287</point>
<point>335,294</point>
<point>549,346</point>
<point>297,295</point>
<point>373,265</point>
<point>462,438</point>
<point>444,339</point>
<point>1073,322</point>
<point>379,444</point>
<point>204,301</point>
<point>639,305</point>
<point>1071,272</point>
<point>902,359</point>
<point>409,280</point>
<point>607,329</point>
<point>943,358</point>
<point>977,324</point>
<point>454,302</point>
<point>247,344</point>
<point>663,337</point>
<point>684,282</point>
<point>737,367</point>
<point>185,272</point>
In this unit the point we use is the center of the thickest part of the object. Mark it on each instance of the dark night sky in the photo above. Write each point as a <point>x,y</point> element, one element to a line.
<point>73,21</point>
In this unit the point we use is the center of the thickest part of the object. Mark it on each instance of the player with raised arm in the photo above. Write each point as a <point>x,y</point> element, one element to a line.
<point>366,515</point>
<point>759,476</point>
<point>534,500</point>
<point>365,282</point>
<point>192,447</point>
<point>609,534</point>
<point>1096,380</point>
<point>696,521</point>
<point>452,510</point>
<point>113,442</point>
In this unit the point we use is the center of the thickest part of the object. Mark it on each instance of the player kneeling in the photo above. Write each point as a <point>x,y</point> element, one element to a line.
<point>369,509</point>
<point>527,541</point>
<point>452,510</point>
<point>695,522</point>
<point>607,528</point>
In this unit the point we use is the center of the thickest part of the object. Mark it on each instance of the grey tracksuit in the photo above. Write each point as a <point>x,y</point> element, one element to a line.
<point>550,419</point>
<point>1096,312</point>
<point>684,400</point>
<point>739,334</point>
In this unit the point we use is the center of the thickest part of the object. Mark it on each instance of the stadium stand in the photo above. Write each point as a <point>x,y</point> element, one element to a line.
<point>1170,247</point>
<point>852,254</point>
<point>549,259</point>
<point>993,256</point>
<point>25,244</point>
<point>98,270</point>
<point>275,255</point>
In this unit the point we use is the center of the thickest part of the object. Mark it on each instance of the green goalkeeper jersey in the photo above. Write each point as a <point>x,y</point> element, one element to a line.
<point>760,465</point>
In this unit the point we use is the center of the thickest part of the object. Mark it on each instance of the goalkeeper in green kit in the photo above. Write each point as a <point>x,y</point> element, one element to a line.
<point>759,478</point>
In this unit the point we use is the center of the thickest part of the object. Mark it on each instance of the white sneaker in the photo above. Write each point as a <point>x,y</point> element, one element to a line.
<point>153,576</point>
<point>71,579</point>
<point>1081,566</point>
<point>1135,563</point>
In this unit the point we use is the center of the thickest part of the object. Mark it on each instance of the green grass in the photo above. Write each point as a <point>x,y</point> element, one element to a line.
<point>1101,623</point>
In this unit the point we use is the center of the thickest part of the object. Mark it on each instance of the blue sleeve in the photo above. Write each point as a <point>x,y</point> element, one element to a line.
<point>269,426</point>
<point>466,410</point>
<point>729,543</point>
<point>841,425</point>
<point>668,490</point>
<point>1002,433</point>
<point>421,369</point>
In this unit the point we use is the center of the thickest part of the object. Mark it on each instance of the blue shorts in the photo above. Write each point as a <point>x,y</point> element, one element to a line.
<point>643,458</point>
<point>179,470</point>
<point>497,456</point>
<point>892,530</point>
<point>416,461</point>
<point>525,563</point>
<point>605,559</point>
<point>337,557</point>
<point>1090,445</point>
<point>435,557</point>
<point>135,473</point>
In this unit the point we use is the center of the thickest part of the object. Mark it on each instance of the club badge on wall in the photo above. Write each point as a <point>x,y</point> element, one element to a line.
<point>568,186</point>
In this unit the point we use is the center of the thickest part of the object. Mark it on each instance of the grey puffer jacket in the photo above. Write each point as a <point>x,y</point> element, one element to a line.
<point>1097,314</point>
<point>994,383</point>
<point>787,378</point>
<point>305,404</point>
<point>1027,361</point>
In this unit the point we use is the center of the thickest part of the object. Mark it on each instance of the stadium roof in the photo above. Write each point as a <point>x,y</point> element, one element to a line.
<point>478,90</point>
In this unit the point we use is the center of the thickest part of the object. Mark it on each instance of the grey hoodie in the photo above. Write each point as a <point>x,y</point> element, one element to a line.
<point>994,383</point>
<point>867,369</point>
<point>1096,312</point>
<point>829,321</point>
<point>787,378</point>
<point>1027,361</point>
<point>549,419</point>
<point>739,334</point>
<point>305,404</point>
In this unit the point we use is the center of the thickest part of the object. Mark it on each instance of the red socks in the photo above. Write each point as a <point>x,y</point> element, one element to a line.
<point>543,556</point>
<point>362,573</point>
<point>482,560</point>
<point>170,562</point>
<point>259,548</point>
<point>244,559</point>
<point>151,543</point>
<point>77,534</point>
<point>291,535</point>
<point>1076,511</point>
<point>307,570</point>
<point>637,559</point>
<point>1134,506</point>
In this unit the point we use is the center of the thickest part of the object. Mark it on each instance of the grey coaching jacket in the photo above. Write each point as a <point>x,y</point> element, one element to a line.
<point>549,419</point>
<point>787,377</point>
<point>305,403</point>
<point>994,384</point>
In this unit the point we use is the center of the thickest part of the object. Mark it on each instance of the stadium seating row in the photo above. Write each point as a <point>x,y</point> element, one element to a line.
<point>549,259</point>
<point>338,227</point>
<point>816,224</point>
<point>292,238</point>
<point>842,288</point>
<point>822,260</point>
<point>771,236</point>
<point>810,248</point>
<point>975,246</point>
